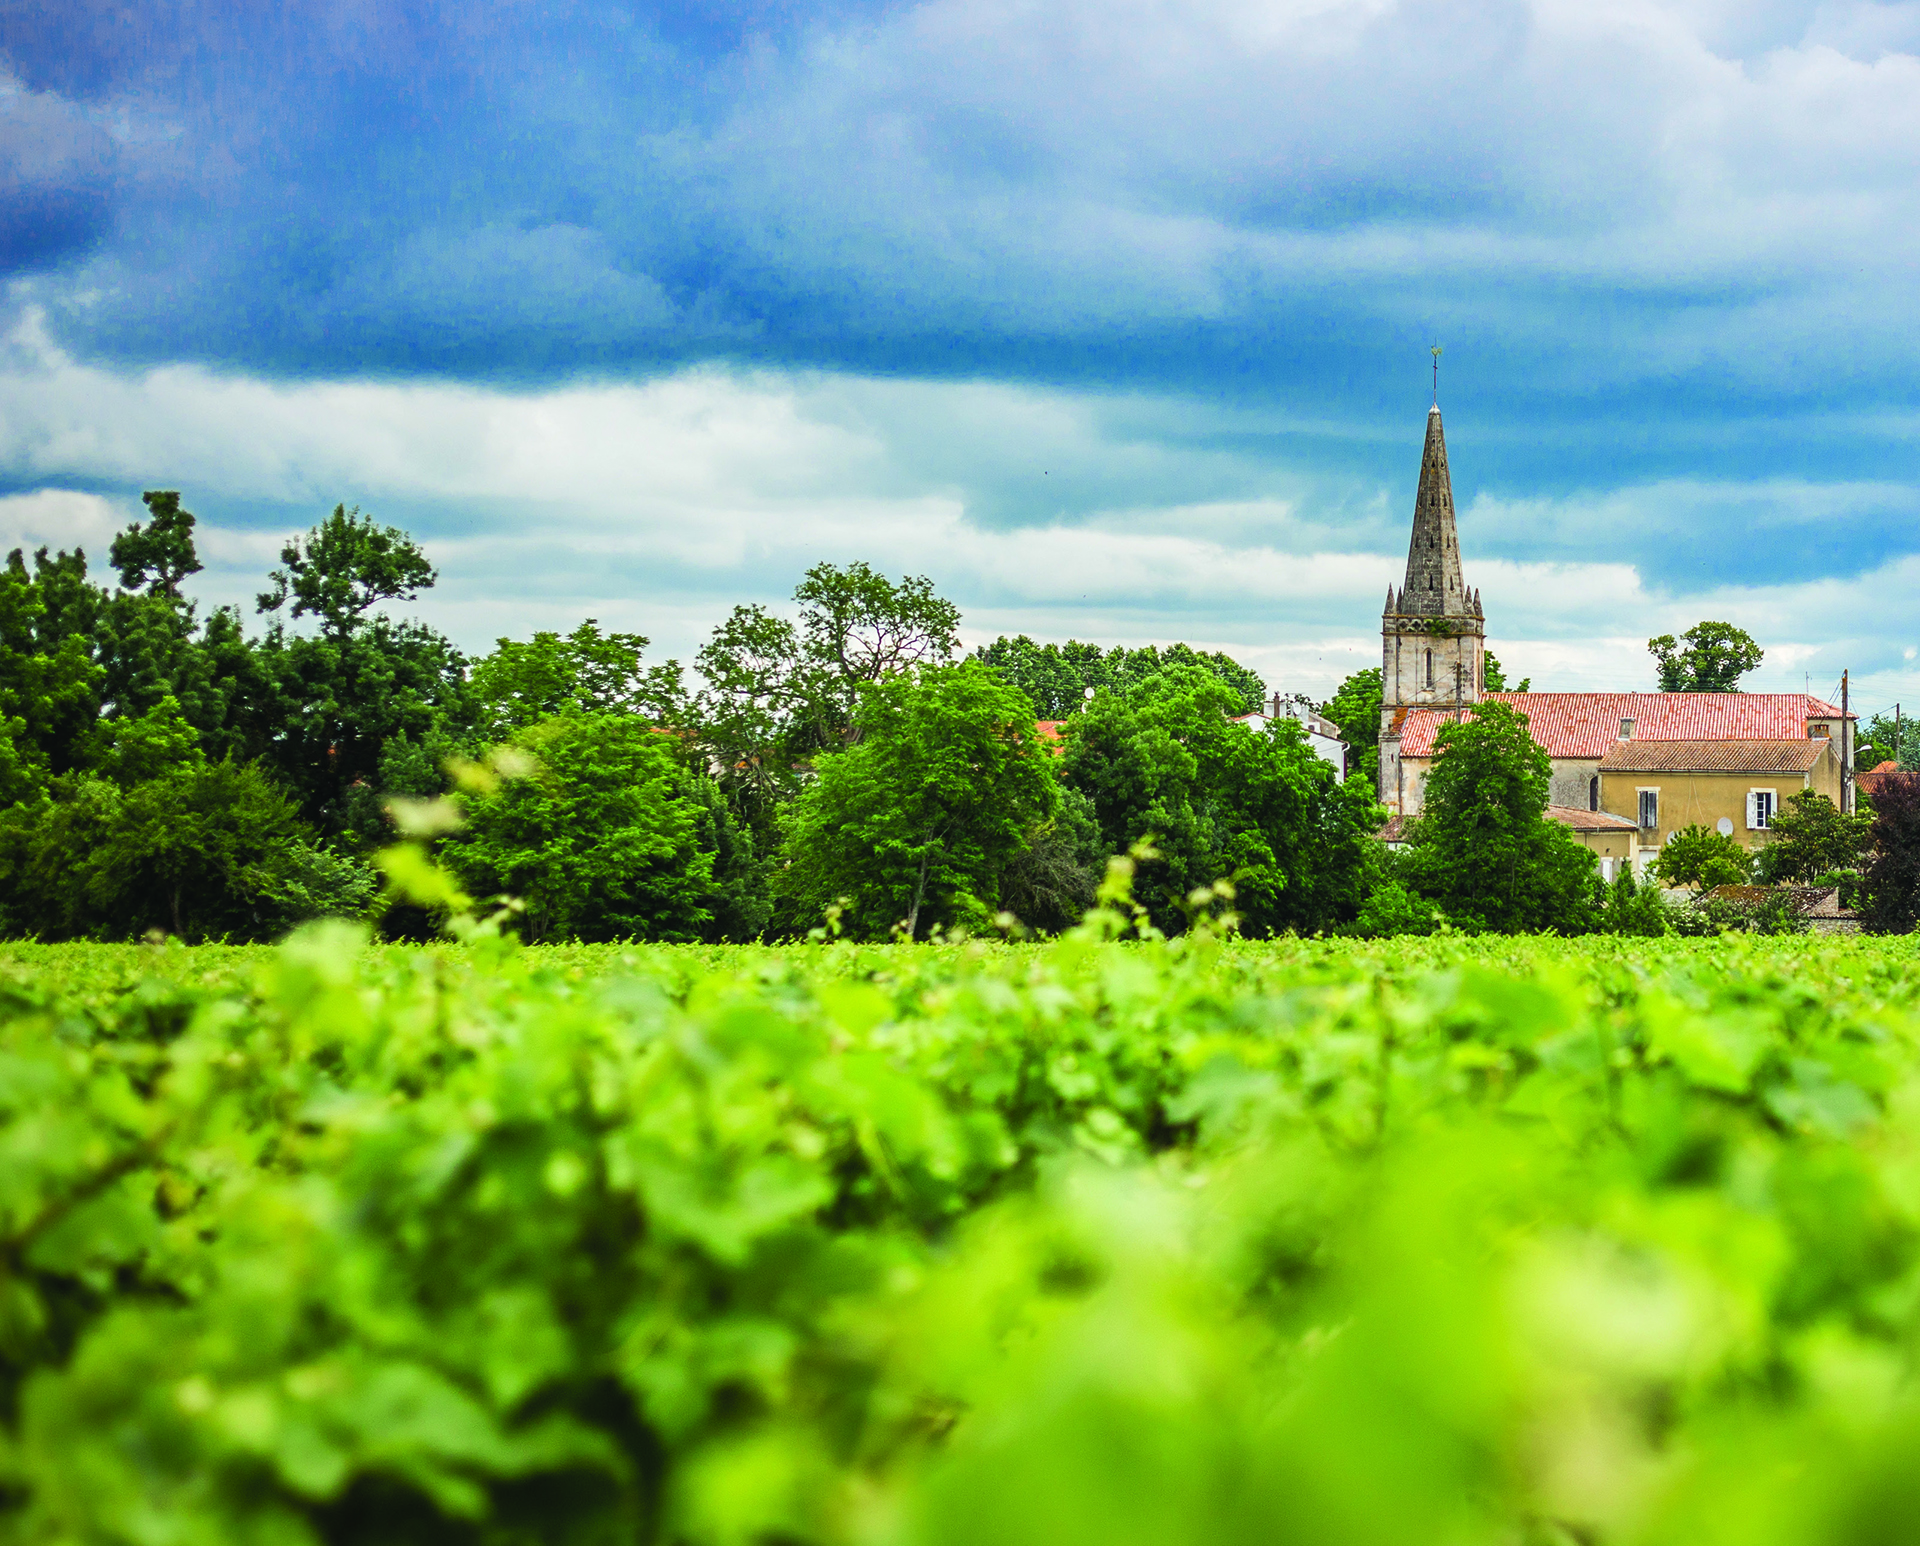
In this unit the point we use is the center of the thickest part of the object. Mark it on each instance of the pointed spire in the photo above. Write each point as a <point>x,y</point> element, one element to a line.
<point>1434,587</point>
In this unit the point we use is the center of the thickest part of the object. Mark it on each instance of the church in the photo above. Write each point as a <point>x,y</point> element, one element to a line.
<point>1629,768</point>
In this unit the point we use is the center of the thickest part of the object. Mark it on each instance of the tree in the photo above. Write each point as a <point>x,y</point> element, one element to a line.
<point>202,850</point>
<point>1483,847</point>
<point>1166,763</point>
<point>1809,837</point>
<point>778,692</point>
<point>330,707</point>
<point>345,566</point>
<point>156,557</point>
<point>916,822</point>
<point>601,842</point>
<point>1700,857</point>
<point>1056,676</point>
<point>1715,657</point>
<point>860,627</point>
<point>1890,888</point>
<point>1355,708</point>
<point>1051,886</point>
<point>1635,910</point>
<point>49,682</point>
<point>587,672</point>
<point>1495,675</point>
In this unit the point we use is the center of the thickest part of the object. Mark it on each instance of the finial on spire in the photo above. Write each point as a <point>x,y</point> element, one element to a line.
<point>1436,379</point>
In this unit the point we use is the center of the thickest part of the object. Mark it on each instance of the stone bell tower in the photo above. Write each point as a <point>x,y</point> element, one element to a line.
<point>1432,634</point>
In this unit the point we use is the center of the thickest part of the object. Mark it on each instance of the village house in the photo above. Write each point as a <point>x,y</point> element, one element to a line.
<point>1322,734</point>
<point>1629,768</point>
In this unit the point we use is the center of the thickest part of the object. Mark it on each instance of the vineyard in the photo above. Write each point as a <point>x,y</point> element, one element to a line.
<point>1419,1241</point>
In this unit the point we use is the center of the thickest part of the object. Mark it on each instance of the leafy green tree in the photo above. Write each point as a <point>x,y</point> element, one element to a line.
<point>1355,708</point>
<point>49,682</point>
<point>1701,858</point>
<point>601,842</point>
<point>1708,657</point>
<point>777,692</point>
<point>1483,847</point>
<point>1051,886</point>
<point>586,672</point>
<point>743,865</point>
<point>1056,676</point>
<point>331,704</point>
<point>1166,763</point>
<point>132,750</point>
<point>1635,910</point>
<point>344,567</point>
<point>1890,886</point>
<point>202,850</point>
<point>157,556</point>
<point>1495,675</point>
<point>916,822</point>
<point>145,642</point>
<point>1809,837</point>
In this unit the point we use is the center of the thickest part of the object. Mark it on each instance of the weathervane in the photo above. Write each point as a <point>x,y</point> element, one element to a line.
<point>1436,375</point>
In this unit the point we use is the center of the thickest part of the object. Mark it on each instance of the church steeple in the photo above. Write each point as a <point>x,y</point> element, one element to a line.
<point>1432,633</point>
<point>1433,585</point>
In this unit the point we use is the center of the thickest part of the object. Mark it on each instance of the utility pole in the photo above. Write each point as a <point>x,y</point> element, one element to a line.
<point>1896,735</point>
<point>1846,752</point>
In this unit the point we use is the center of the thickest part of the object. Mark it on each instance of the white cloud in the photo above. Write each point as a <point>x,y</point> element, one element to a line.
<point>655,507</point>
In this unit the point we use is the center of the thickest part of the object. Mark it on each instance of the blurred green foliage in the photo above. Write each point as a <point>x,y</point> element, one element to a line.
<point>1464,1241</point>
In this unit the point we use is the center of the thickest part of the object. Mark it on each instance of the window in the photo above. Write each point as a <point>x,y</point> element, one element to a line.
<point>1761,806</point>
<point>1649,809</point>
<point>1593,793</point>
<point>1818,733</point>
<point>1626,730</point>
<point>1429,668</point>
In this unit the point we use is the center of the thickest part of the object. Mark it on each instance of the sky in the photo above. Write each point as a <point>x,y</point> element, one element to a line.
<point>1112,318</point>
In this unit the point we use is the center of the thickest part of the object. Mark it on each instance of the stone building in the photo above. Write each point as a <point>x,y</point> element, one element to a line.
<point>1642,763</point>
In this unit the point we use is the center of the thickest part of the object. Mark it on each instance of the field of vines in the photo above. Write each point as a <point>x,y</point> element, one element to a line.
<point>1417,1243</point>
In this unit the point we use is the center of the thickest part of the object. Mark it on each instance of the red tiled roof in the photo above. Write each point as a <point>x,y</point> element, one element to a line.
<point>1587,724</point>
<point>1870,780</point>
<point>1590,821</point>
<point>1049,728</point>
<point>1638,756</point>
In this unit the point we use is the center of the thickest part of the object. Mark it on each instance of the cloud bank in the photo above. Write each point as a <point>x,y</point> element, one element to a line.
<point>1110,316</point>
<point>657,506</point>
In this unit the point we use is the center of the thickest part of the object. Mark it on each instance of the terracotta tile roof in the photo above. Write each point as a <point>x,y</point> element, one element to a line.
<point>1587,724</point>
<point>1871,779</point>
<point>1049,728</point>
<point>1638,756</point>
<point>1590,821</point>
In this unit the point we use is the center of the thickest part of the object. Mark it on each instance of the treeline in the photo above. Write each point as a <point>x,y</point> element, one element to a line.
<point>841,769</point>
<point>170,770</point>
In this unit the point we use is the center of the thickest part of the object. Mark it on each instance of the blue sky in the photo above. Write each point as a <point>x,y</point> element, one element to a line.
<point>1111,317</point>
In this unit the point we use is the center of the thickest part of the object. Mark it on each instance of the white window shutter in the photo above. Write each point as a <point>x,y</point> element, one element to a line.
<point>1753,811</point>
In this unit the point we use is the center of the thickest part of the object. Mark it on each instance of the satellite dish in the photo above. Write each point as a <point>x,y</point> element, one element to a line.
<point>1725,826</point>
<point>1088,695</point>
